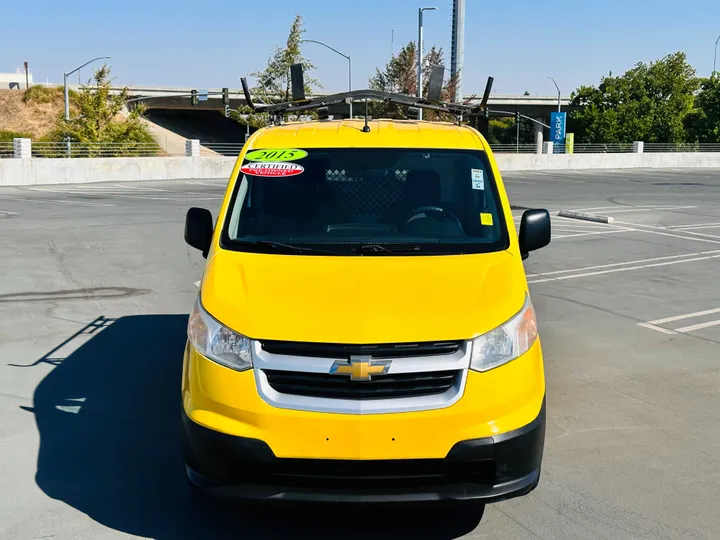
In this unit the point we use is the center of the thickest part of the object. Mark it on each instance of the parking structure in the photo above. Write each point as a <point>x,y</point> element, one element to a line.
<point>98,282</point>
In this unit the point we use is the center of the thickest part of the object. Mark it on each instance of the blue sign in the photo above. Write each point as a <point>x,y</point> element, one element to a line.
<point>557,128</point>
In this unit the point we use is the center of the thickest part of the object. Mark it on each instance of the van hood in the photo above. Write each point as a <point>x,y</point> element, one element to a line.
<point>372,299</point>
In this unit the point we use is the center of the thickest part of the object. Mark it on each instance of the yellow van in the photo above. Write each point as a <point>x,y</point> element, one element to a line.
<point>364,330</point>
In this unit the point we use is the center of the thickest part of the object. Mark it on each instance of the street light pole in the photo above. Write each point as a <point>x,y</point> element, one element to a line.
<point>715,59</point>
<point>344,56</point>
<point>558,90</point>
<point>65,85</point>
<point>419,53</point>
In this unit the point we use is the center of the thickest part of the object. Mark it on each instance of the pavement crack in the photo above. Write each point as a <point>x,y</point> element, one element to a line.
<point>591,306</point>
<point>518,523</point>
<point>62,263</point>
<point>564,514</point>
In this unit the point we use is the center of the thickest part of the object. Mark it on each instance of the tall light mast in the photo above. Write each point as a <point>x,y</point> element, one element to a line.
<point>458,46</point>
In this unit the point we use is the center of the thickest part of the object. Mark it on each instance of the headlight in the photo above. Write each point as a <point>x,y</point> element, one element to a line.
<point>217,342</point>
<point>506,342</point>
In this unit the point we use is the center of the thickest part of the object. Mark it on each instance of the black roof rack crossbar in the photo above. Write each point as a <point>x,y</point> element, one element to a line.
<point>440,106</point>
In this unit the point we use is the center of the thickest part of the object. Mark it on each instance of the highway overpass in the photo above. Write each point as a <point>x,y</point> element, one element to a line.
<point>171,110</point>
<point>165,98</point>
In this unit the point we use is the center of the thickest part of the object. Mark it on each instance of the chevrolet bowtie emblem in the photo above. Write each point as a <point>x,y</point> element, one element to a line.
<point>360,368</point>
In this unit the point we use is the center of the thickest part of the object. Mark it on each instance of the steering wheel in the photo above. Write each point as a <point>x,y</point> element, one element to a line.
<point>436,210</point>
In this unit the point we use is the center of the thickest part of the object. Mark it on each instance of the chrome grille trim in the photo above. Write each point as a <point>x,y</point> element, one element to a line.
<point>262,359</point>
<point>458,360</point>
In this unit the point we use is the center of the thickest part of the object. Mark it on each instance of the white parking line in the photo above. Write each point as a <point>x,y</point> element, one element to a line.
<point>117,190</point>
<point>685,316</point>
<point>657,230</point>
<point>218,185</point>
<point>589,233</point>
<point>657,328</point>
<point>694,227</point>
<point>58,201</point>
<point>649,209</point>
<point>143,188</point>
<point>698,326</point>
<point>625,208</point>
<point>654,325</point>
<point>172,199</point>
<point>614,265</point>
<point>626,269</point>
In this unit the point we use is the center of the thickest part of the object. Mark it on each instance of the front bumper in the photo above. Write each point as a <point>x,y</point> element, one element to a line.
<point>499,401</point>
<point>488,469</point>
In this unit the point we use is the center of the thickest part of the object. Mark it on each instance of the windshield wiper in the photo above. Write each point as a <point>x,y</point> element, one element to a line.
<point>292,248</point>
<point>377,248</point>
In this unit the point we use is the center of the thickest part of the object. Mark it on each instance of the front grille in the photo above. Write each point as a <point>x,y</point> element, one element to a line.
<point>342,350</point>
<point>395,386</point>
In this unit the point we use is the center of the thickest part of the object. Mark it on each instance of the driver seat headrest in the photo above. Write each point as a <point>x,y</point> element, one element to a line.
<point>423,186</point>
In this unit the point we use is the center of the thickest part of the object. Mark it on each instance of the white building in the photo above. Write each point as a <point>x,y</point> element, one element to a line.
<point>14,80</point>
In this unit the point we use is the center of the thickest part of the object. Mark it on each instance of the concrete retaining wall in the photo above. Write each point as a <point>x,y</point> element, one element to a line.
<point>523,162</point>
<point>23,172</point>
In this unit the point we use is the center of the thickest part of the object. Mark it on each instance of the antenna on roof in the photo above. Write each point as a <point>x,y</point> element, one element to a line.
<point>486,95</point>
<point>435,84</point>
<point>366,127</point>
<point>246,91</point>
<point>297,82</point>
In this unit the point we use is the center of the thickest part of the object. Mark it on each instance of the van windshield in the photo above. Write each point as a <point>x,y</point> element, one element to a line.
<point>348,201</point>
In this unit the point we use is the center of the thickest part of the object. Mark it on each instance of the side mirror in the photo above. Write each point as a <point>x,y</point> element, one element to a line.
<point>534,231</point>
<point>199,229</point>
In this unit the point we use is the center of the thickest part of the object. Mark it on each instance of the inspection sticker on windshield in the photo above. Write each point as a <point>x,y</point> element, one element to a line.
<point>272,169</point>
<point>478,182</point>
<point>276,154</point>
<point>486,219</point>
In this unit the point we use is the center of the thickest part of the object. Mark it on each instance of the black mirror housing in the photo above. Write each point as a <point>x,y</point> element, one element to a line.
<point>535,231</point>
<point>199,229</point>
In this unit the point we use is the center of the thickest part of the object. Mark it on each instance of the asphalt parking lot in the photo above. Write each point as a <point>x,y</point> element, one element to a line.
<point>97,283</point>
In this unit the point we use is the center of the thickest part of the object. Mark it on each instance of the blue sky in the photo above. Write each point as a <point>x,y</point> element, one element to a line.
<point>213,43</point>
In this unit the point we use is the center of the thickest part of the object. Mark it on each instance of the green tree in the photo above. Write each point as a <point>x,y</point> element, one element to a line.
<point>647,103</point>
<point>703,123</point>
<point>399,76</point>
<point>99,117</point>
<point>503,130</point>
<point>273,84</point>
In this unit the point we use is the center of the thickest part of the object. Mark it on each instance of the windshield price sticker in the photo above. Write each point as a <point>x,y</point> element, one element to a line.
<point>272,169</point>
<point>478,182</point>
<point>276,154</point>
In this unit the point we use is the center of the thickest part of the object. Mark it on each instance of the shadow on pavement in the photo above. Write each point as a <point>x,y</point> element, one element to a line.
<point>108,417</point>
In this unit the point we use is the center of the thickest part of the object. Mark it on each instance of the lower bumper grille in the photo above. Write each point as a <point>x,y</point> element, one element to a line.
<point>322,385</point>
<point>321,474</point>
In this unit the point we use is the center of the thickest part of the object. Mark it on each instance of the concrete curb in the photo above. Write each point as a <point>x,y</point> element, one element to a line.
<point>586,217</point>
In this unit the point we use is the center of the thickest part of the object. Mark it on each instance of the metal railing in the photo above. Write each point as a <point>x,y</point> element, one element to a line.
<point>608,148</point>
<point>225,149</point>
<point>682,147</point>
<point>7,150</point>
<point>514,148</point>
<point>596,148</point>
<point>94,150</point>
<point>73,149</point>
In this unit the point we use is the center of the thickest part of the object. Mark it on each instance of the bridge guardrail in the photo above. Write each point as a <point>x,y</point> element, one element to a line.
<point>609,148</point>
<point>43,149</point>
<point>7,150</point>
<point>94,150</point>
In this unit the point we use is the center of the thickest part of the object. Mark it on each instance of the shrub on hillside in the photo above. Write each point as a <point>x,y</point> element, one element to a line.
<point>8,136</point>
<point>43,94</point>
